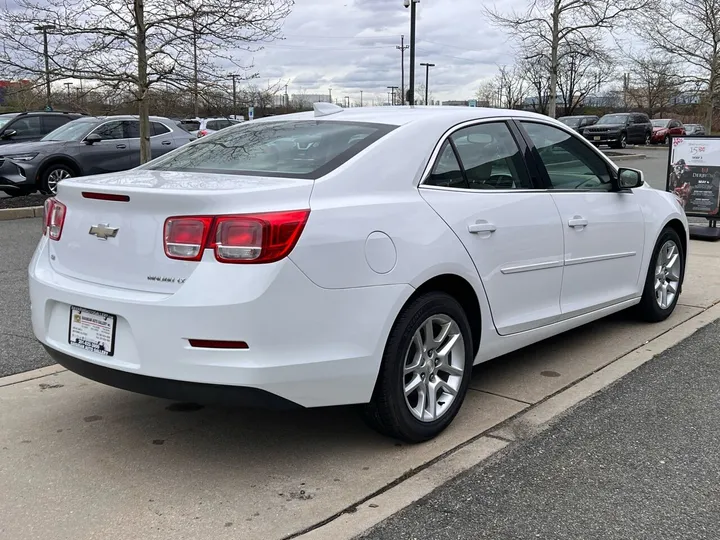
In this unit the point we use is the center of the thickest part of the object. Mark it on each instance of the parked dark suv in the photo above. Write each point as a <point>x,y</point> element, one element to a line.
<point>579,122</point>
<point>31,126</point>
<point>620,129</point>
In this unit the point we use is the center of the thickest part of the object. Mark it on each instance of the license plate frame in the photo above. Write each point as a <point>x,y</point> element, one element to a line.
<point>94,333</point>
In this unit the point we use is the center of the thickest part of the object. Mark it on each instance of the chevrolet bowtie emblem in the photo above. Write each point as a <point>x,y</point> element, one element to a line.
<point>103,231</point>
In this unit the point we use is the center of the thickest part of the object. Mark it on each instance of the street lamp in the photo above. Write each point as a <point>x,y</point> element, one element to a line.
<point>411,4</point>
<point>44,28</point>
<point>427,78</point>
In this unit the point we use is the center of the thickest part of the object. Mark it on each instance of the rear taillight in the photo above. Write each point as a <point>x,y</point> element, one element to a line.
<point>53,218</point>
<point>202,133</point>
<point>185,237</point>
<point>241,239</point>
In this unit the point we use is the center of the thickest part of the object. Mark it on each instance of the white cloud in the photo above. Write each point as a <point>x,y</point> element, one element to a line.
<point>350,45</point>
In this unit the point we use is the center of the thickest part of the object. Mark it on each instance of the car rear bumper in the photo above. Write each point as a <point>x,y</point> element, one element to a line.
<point>602,137</point>
<point>306,345</point>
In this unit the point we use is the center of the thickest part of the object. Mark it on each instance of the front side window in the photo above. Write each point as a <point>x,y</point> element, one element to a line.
<point>490,157</point>
<point>132,129</point>
<point>569,162</point>
<point>29,126</point>
<point>110,130</point>
<point>296,149</point>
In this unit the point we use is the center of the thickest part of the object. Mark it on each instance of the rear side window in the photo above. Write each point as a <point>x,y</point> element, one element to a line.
<point>159,129</point>
<point>54,122</point>
<point>214,125</point>
<point>295,149</point>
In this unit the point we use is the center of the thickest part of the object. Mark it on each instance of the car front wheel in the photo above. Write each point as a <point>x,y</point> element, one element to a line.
<point>52,176</point>
<point>425,371</point>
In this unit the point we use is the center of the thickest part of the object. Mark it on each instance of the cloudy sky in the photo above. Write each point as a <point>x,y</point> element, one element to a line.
<point>349,46</point>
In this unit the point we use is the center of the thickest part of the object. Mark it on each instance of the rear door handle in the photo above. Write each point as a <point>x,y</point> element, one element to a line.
<point>577,221</point>
<point>166,143</point>
<point>121,146</point>
<point>481,226</point>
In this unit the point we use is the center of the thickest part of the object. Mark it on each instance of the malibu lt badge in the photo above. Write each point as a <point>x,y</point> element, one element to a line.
<point>103,231</point>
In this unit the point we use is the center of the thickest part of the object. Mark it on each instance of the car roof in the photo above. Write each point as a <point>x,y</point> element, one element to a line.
<point>402,115</point>
<point>124,117</point>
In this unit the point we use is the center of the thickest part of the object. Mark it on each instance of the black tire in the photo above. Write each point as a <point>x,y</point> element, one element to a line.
<point>622,142</point>
<point>666,140</point>
<point>648,309</point>
<point>45,186</point>
<point>387,411</point>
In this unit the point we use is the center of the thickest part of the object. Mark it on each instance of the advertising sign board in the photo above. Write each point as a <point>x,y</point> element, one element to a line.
<point>694,176</point>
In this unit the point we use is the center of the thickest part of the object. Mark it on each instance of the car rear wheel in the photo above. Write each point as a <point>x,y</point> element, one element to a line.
<point>648,136</point>
<point>663,283</point>
<point>53,175</point>
<point>425,371</point>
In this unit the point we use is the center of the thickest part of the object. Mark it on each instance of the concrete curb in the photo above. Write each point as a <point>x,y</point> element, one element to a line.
<point>372,511</point>
<point>30,375</point>
<point>6,214</point>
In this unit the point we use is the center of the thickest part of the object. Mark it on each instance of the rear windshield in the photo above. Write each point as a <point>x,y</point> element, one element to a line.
<point>190,125</point>
<point>296,149</point>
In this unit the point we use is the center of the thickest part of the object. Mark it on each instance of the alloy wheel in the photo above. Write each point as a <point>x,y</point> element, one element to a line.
<point>667,274</point>
<point>623,141</point>
<point>55,176</point>
<point>433,368</point>
<point>647,139</point>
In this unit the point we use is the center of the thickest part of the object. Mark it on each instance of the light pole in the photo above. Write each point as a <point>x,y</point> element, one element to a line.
<point>361,98</point>
<point>412,5</point>
<point>402,48</point>
<point>44,29</point>
<point>427,78</point>
<point>392,93</point>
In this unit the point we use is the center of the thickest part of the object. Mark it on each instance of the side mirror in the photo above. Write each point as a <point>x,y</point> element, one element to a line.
<point>93,138</point>
<point>9,134</point>
<point>630,178</point>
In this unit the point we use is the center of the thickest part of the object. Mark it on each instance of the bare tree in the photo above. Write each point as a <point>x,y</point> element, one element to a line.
<point>489,93</point>
<point>582,72</point>
<point>656,81</point>
<point>136,45</point>
<point>689,30</point>
<point>512,88</point>
<point>547,24</point>
<point>536,74</point>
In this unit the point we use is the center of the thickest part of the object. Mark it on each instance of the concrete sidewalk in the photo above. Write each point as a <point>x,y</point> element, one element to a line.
<point>638,461</point>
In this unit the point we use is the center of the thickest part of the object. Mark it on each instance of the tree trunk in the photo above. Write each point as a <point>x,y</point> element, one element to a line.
<point>142,83</point>
<point>713,91</point>
<point>196,107</point>
<point>552,103</point>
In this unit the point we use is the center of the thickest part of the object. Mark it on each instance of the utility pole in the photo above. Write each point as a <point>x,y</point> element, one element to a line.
<point>68,85</point>
<point>287,99</point>
<point>361,100</point>
<point>196,108</point>
<point>44,29</point>
<point>330,92</point>
<point>402,48</point>
<point>412,4</point>
<point>427,78</point>
<point>392,93</point>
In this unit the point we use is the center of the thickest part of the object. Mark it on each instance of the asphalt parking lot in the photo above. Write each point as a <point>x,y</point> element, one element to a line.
<point>98,462</point>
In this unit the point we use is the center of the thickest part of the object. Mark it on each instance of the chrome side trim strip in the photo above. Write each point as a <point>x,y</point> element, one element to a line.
<point>598,258</point>
<point>531,267</point>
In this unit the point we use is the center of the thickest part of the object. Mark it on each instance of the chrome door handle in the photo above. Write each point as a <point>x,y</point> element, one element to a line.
<point>166,143</point>
<point>481,226</point>
<point>577,221</point>
<point>121,146</point>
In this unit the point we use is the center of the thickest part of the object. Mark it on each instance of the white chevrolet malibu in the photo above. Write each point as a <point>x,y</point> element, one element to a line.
<point>363,256</point>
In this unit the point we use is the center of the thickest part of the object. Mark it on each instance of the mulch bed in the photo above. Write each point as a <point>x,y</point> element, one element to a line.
<point>36,199</point>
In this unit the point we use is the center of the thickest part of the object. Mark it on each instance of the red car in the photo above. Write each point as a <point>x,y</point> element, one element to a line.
<point>663,129</point>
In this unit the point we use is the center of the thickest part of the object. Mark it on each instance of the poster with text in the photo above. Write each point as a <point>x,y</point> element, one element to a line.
<point>694,174</point>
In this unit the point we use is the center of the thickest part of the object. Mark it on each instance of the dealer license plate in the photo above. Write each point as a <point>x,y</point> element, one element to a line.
<point>92,330</point>
<point>597,138</point>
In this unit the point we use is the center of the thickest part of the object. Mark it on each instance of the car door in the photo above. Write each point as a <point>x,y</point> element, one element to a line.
<point>162,140</point>
<point>110,154</point>
<point>132,134</point>
<point>480,186</point>
<point>604,229</point>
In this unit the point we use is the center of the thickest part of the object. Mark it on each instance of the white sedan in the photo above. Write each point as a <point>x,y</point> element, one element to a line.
<point>362,256</point>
